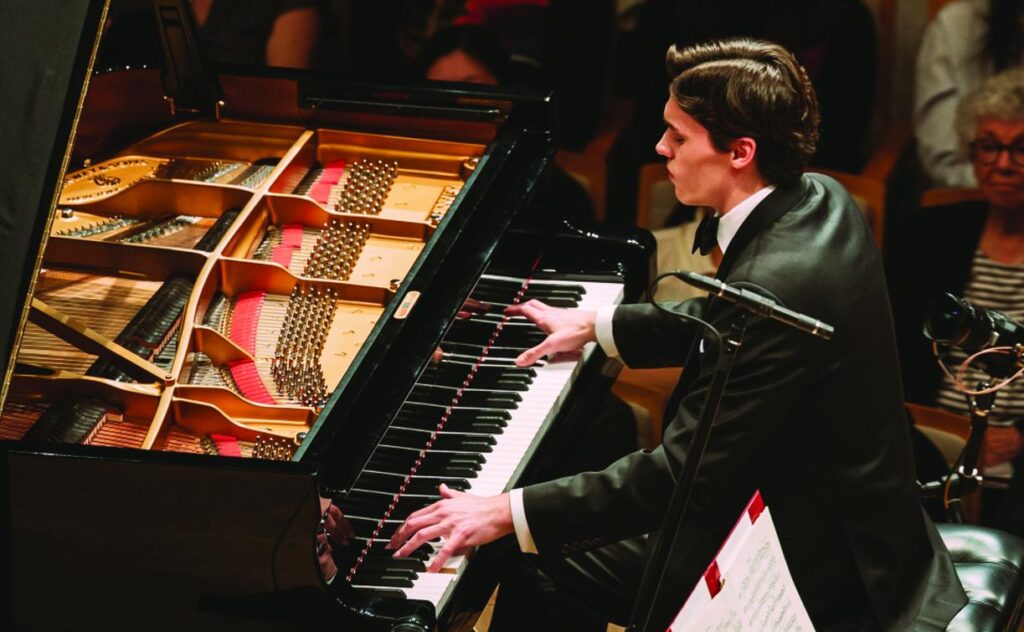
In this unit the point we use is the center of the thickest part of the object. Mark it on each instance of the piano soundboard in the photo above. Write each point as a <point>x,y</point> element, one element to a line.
<point>206,289</point>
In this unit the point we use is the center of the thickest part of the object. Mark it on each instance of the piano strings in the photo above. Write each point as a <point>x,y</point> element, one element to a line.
<point>297,347</point>
<point>110,177</point>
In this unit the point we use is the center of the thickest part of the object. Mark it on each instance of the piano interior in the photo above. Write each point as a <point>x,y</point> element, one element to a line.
<point>206,289</point>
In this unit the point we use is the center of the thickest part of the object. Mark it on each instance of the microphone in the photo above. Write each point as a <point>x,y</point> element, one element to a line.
<point>754,302</point>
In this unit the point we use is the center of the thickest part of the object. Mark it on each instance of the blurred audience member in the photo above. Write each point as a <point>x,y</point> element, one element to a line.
<point>974,250</point>
<point>470,54</point>
<point>968,41</point>
<point>280,33</point>
<point>474,54</point>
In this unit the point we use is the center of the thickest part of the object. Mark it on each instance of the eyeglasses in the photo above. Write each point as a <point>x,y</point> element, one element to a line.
<point>986,151</point>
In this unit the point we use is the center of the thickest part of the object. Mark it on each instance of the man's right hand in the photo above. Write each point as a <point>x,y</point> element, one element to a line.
<point>567,329</point>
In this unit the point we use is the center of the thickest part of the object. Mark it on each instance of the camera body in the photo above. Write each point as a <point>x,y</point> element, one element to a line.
<point>956,322</point>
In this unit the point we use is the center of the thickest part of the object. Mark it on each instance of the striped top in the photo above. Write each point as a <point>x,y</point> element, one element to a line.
<point>998,286</point>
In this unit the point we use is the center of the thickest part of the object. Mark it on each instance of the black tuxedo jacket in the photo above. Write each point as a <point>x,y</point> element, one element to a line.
<point>817,426</point>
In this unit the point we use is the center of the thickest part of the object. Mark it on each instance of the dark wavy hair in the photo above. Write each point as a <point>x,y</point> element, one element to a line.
<point>749,88</point>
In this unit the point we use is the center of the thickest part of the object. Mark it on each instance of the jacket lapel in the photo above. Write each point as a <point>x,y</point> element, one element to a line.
<point>770,209</point>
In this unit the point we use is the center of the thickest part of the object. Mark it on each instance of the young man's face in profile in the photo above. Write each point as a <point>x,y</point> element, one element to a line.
<point>700,173</point>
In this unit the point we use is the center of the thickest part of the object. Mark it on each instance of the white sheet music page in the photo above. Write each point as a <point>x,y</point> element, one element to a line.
<point>756,590</point>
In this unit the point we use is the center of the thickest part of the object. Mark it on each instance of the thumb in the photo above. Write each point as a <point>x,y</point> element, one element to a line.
<point>447,492</point>
<point>530,356</point>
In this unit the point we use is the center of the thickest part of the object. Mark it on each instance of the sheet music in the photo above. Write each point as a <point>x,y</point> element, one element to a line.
<point>757,591</point>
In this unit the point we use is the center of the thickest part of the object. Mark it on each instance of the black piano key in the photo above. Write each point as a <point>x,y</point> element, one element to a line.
<point>379,548</point>
<point>383,593</point>
<point>482,428</point>
<point>514,385</point>
<point>427,416</point>
<point>472,398</point>
<point>390,579</point>
<point>491,290</point>
<point>475,351</point>
<point>457,442</point>
<point>388,562</point>
<point>381,565</point>
<point>462,369</point>
<point>376,505</point>
<point>417,485</point>
<point>364,527</point>
<point>389,459</point>
<point>480,332</point>
<point>378,567</point>
<point>491,283</point>
<point>347,558</point>
<point>401,455</point>
<point>520,336</point>
<point>554,300</point>
<point>493,377</point>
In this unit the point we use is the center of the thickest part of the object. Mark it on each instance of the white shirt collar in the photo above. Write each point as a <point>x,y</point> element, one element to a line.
<point>729,223</point>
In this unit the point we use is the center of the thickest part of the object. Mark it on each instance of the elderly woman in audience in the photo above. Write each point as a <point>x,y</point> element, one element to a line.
<point>975,250</point>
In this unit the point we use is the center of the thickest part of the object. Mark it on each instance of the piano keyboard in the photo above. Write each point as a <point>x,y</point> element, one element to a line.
<point>487,440</point>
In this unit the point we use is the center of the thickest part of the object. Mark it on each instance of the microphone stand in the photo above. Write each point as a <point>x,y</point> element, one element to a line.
<point>650,585</point>
<point>965,478</point>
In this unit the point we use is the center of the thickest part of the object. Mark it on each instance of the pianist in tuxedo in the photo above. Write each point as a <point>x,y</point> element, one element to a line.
<point>818,426</point>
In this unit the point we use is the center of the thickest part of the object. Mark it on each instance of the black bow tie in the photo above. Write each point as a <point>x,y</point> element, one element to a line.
<point>706,237</point>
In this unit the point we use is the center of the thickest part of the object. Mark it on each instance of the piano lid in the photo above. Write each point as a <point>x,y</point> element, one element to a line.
<point>44,71</point>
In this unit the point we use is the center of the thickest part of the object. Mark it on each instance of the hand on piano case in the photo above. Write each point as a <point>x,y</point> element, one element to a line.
<point>568,330</point>
<point>338,527</point>
<point>463,520</point>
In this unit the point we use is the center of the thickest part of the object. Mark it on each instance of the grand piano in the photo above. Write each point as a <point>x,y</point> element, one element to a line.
<point>236,303</point>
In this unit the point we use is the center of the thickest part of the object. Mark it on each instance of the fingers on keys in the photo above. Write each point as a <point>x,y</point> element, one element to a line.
<point>532,309</point>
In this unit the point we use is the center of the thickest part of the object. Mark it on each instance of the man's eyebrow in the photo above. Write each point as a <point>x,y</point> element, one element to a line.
<point>670,125</point>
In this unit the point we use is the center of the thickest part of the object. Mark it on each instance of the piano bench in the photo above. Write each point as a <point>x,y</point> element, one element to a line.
<point>989,564</point>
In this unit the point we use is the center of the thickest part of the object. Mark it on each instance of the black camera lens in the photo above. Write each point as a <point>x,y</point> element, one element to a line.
<point>947,320</point>
<point>956,322</point>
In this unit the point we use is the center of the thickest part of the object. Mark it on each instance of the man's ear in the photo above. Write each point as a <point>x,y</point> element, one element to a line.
<point>742,151</point>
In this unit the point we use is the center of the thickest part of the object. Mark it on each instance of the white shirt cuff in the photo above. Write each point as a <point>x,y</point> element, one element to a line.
<point>603,330</point>
<point>523,535</point>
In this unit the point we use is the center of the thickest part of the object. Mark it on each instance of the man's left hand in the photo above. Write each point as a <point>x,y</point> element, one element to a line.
<point>463,520</point>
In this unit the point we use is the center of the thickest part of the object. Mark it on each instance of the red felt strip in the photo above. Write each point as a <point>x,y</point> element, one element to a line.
<point>249,382</point>
<point>328,178</point>
<point>282,254</point>
<point>226,445</point>
<point>291,235</point>
<point>245,319</point>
